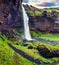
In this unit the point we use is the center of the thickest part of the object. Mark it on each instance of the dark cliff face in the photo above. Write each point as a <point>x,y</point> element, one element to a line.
<point>10,15</point>
<point>42,19</point>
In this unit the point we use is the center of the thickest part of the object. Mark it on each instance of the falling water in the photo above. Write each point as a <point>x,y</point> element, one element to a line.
<point>26,25</point>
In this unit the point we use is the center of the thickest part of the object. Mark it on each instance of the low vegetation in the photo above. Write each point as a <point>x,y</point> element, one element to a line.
<point>53,37</point>
<point>48,36</point>
<point>31,49</point>
<point>9,57</point>
<point>36,34</point>
<point>36,50</point>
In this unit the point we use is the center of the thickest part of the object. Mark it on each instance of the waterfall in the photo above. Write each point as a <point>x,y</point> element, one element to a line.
<point>26,25</point>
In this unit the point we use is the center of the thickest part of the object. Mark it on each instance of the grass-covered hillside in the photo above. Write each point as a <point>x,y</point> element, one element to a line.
<point>53,37</point>
<point>32,11</point>
<point>9,57</point>
<point>40,51</point>
<point>46,36</point>
<point>44,53</point>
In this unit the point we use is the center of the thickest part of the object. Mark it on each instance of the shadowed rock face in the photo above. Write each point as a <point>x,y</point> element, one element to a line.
<point>9,15</point>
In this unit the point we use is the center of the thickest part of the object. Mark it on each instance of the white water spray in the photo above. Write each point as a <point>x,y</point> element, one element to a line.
<point>26,25</point>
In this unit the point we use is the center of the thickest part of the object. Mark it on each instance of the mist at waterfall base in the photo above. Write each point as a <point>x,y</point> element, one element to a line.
<point>26,26</point>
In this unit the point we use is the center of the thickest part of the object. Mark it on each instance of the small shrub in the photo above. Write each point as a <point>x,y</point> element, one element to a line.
<point>30,47</point>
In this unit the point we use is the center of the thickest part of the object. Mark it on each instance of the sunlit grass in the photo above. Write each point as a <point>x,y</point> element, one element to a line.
<point>9,57</point>
<point>48,36</point>
<point>34,52</point>
<point>52,37</point>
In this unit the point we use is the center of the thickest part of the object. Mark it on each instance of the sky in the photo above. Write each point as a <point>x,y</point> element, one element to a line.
<point>46,3</point>
<point>43,0</point>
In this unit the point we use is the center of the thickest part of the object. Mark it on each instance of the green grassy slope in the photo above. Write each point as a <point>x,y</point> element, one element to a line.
<point>51,37</point>
<point>10,57</point>
<point>34,53</point>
